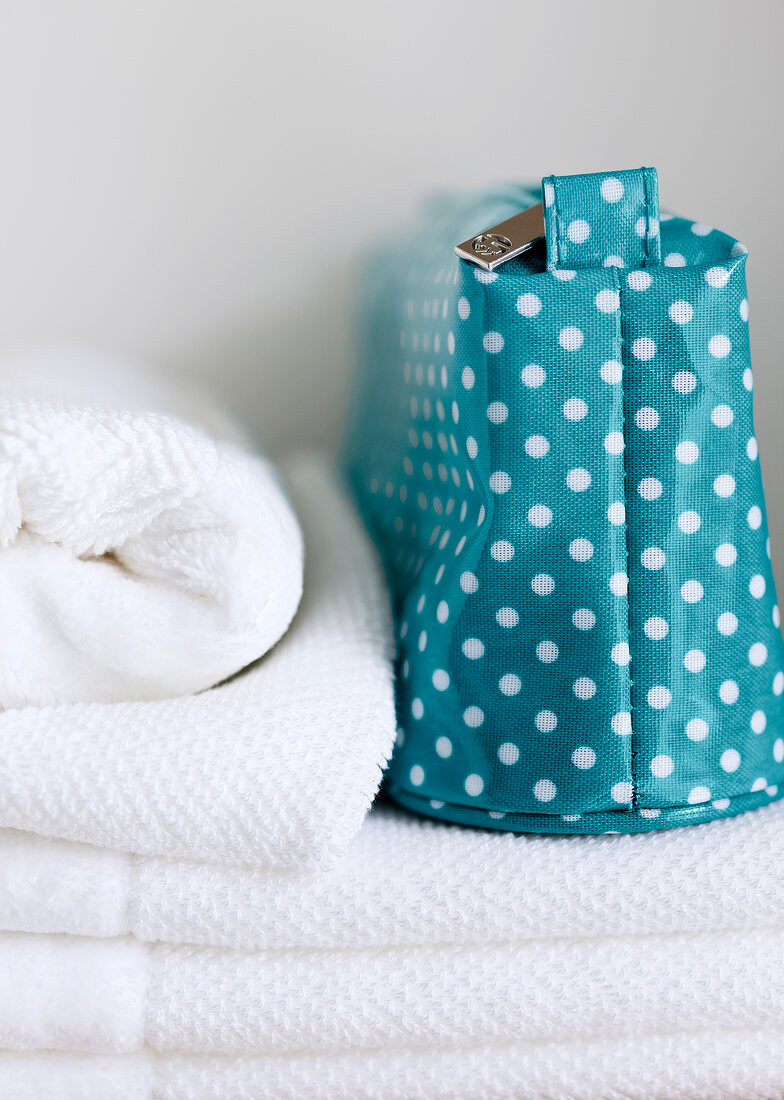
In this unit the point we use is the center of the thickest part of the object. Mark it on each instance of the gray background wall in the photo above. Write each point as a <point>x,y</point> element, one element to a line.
<point>188,181</point>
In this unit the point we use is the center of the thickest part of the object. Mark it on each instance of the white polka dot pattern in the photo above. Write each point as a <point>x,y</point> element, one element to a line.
<point>587,622</point>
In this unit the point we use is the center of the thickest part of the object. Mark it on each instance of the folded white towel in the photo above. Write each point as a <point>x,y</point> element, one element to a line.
<point>114,996</point>
<point>705,1065</point>
<point>141,556</point>
<point>276,767</point>
<point>406,880</point>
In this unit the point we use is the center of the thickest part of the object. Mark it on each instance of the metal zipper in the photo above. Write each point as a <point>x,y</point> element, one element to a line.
<point>504,241</point>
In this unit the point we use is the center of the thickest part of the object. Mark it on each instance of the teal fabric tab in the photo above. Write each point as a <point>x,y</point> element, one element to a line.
<point>602,220</point>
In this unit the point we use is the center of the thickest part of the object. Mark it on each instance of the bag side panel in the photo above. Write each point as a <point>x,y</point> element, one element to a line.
<point>538,701</point>
<point>707,653</point>
<point>510,558</point>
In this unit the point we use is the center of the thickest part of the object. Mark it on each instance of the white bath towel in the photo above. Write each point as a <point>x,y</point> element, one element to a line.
<point>276,767</point>
<point>117,996</point>
<point>424,938</point>
<point>706,1065</point>
<point>142,556</point>
<point>406,880</point>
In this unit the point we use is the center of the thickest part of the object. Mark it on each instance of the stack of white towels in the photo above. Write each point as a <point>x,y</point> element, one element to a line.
<point>195,905</point>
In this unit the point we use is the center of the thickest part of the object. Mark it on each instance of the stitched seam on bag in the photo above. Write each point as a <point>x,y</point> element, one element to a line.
<point>634,740</point>
<point>487,497</point>
<point>741,803</point>
<point>647,201</point>
<point>633,746</point>
<point>557,216</point>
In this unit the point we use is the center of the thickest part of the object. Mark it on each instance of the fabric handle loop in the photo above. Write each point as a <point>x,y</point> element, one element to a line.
<point>602,219</point>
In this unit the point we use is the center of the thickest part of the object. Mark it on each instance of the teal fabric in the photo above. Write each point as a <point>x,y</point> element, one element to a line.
<point>557,462</point>
<point>603,221</point>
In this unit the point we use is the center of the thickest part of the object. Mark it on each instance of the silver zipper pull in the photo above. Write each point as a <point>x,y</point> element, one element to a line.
<point>504,241</point>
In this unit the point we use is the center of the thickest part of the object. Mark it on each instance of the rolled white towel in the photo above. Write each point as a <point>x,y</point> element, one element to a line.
<point>144,552</point>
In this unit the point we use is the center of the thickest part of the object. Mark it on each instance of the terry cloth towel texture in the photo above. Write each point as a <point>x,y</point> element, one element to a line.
<point>708,1065</point>
<point>276,767</point>
<point>143,553</point>
<point>405,881</point>
<point>429,961</point>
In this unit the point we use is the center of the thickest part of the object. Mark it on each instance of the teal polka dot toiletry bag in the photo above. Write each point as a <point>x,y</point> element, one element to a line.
<point>551,443</point>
